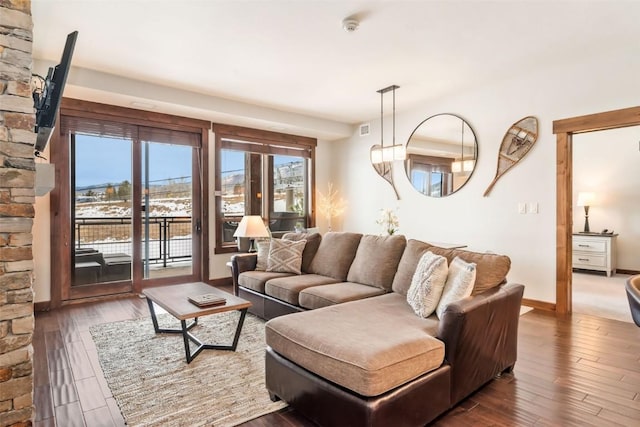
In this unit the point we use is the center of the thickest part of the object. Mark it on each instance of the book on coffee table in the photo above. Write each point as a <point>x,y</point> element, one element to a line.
<point>206,300</point>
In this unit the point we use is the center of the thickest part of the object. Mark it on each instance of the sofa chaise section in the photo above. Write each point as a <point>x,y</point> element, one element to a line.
<point>326,362</point>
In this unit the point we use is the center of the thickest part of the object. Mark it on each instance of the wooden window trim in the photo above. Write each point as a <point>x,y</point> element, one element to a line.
<point>272,143</point>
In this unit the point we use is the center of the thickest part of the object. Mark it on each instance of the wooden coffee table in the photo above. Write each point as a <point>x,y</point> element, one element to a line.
<point>174,300</point>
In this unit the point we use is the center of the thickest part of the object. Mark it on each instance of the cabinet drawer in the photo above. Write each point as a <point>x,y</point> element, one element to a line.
<point>589,260</point>
<point>580,245</point>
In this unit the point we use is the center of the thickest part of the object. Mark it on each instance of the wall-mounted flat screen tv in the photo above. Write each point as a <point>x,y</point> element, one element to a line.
<point>47,100</point>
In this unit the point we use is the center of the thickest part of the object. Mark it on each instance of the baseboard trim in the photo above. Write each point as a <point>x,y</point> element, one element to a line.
<point>629,272</point>
<point>540,305</point>
<point>42,306</point>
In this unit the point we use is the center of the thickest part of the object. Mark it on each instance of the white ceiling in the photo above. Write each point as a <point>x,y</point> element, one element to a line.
<point>294,57</point>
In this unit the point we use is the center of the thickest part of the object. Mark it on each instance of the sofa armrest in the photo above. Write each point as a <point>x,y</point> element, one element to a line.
<point>480,334</point>
<point>241,263</point>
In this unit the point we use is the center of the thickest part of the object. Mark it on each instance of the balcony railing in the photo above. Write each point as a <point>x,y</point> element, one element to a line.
<point>169,237</point>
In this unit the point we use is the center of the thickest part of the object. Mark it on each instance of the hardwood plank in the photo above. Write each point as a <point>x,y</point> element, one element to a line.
<point>43,400</point>
<point>63,390</point>
<point>99,376</point>
<point>79,361</point>
<point>620,419</point>
<point>48,422</point>
<point>114,410</point>
<point>99,417</point>
<point>628,408</point>
<point>40,361</point>
<point>90,394</point>
<point>70,415</point>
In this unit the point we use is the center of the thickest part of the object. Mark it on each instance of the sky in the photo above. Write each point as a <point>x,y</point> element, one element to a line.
<point>108,160</point>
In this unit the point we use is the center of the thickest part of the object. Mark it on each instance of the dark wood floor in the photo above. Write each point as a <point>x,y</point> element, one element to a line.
<point>572,371</point>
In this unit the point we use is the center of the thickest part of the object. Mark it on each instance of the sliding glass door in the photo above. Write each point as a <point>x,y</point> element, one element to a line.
<point>169,230</point>
<point>134,211</point>
<point>102,206</point>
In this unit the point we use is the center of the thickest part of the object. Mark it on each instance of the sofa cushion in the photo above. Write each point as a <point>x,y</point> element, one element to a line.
<point>377,344</point>
<point>310,249</point>
<point>427,284</point>
<point>408,264</point>
<point>256,279</point>
<point>491,269</point>
<point>335,255</point>
<point>336,293</point>
<point>460,281</point>
<point>263,246</point>
<point>376,260</point>
<point>285,256</point>
<point>288,288</point>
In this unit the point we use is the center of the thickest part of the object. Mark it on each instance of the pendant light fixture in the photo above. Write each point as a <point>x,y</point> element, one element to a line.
<point>462,165</point>
<point>392,152</point>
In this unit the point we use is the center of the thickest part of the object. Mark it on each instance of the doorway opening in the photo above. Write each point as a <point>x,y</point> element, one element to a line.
<point>564,131</point>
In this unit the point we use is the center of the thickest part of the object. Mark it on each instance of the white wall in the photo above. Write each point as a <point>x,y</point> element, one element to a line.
<point>42,250</point>
<point>492,223</point>
<point>606,163</point>
<point>603,83</point>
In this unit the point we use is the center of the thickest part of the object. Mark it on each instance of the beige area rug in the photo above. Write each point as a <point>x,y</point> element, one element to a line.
<point>154,386</point>
<point>601,296</point>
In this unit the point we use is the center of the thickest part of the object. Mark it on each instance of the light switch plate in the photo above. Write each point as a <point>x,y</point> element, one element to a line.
<point>522,208</point>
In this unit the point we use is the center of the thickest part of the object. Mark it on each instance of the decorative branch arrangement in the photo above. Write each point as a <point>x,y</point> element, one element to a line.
<point>330,205</point>
<point>517,142</point>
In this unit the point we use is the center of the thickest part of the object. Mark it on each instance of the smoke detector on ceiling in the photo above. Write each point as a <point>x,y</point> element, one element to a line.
<point>350,25</point>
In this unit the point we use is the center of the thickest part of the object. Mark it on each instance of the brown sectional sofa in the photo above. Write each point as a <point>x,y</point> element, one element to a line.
<point>362,357</point>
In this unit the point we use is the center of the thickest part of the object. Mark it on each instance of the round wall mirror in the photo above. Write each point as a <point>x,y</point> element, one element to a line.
<point>441,155</point>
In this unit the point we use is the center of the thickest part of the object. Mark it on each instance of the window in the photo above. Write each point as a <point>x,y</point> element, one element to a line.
<point>262,173</point>
<point>431,175</point>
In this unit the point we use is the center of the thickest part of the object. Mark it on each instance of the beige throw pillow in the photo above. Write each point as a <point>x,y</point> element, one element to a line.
<point>427,284</point>
<point>285,256</point>
<point>460,281</point>
<point>263,253</point>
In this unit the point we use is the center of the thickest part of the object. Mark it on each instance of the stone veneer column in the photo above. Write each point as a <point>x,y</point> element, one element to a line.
<point>17,197</point>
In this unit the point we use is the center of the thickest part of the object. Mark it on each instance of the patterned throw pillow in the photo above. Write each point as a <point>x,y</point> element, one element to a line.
<point>427,284</point>
<point>460,281</point>
<point>285,256</point>
<point>263,253</point>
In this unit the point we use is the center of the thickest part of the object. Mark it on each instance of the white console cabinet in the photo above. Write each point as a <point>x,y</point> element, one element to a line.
<point>594,251</point>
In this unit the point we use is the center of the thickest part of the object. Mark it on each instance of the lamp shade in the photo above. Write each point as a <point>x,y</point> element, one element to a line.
<point>586,198</point>
<point>388,154</point>
<point>251,226</point>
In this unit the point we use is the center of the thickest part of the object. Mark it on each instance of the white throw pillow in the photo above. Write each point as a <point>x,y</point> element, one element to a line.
<point>263,253</point>
<point>460,281</point>
<point>427,284</point>
<point>285,256</point>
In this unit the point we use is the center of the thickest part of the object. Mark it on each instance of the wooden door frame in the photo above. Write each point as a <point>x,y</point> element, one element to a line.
<point>564,130</point>
<point>60,195</point>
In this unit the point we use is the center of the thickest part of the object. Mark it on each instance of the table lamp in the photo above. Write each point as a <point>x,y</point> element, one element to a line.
<point>252,227</point>
<point>586,199</point>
